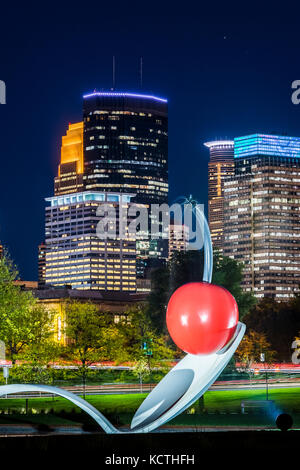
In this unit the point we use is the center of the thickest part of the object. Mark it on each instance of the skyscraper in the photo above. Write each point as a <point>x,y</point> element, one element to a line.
<point>262,213</point>
<point>75,254</point>
<point>126,145</point>
<point>220,166</point>
<point>71,167</point>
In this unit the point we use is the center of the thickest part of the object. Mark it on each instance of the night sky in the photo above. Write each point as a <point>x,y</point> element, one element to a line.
<point>226,72</point>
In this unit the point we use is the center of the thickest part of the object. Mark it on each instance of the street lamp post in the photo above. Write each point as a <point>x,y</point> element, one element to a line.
<point>262,359</point>
<point>147,349</point>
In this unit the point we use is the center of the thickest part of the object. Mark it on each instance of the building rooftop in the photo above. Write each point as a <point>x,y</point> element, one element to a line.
<point>265,144</point>
<point>56,293</point>
<point>87,196</point>
<point>124,94</point>
<point>219,143</point>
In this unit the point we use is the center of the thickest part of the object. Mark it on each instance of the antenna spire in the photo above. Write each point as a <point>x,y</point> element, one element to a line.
<point>113,73</point>
<point>141,72</point>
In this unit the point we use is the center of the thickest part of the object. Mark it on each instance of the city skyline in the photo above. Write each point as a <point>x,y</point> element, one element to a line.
<point>229,82</point>
<point>215,141</point>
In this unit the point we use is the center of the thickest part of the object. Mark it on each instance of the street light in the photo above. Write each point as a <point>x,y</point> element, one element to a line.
<point>262,359</point>
<point>147,351</point>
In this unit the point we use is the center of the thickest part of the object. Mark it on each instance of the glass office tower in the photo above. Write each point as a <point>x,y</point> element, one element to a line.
<point>75,254</point>
<point>262,214</point>
<point>125,146</point>
<point>220,166</point>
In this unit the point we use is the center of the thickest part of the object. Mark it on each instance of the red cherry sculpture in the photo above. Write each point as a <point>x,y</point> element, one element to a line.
<point>201,317</point>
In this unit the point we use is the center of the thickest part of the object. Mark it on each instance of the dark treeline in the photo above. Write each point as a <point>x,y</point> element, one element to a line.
<point>279,321</point>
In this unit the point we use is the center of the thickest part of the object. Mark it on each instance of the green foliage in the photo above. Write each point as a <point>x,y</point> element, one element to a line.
<point>86,332</point>
<point>65,377</point>
<point>141,368</point>
<point>228,273</point>
<point>158,298</point>
<point>24,325</point>
<point>92,336</point>
<point>252,346</point>
<point>31,373</point>
<point>136,330</point>
<point>184,267</point>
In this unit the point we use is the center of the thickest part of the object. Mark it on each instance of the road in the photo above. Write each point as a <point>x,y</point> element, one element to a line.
<point>118,388</point>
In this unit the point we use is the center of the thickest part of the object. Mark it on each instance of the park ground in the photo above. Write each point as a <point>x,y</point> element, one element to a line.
<point>218,408</point>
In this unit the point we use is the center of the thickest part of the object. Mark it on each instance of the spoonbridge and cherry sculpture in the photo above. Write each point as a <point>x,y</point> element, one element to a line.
<point>202,320</point>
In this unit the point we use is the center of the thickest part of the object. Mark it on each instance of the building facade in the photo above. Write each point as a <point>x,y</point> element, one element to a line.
<point>111,302</point>
<point>178,238</point>
<point>71,166</point>
<point>126,145</point>
<point>220,166</point>
<point>262,214</point>
<point>76,255</point>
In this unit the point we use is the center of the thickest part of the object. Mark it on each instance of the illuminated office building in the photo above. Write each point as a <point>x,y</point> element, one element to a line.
<point>262,214</point>
<point>126,145</point>
<point>76,256</point>
<point>126,150</point>
<point>220,166</point>
<point>178,238</point>
<point>71,167</point>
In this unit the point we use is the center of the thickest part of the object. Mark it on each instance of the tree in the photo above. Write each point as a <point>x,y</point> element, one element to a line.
<point>158,298</point>
<point>90,335</point>
<point>141,343</point>
<point>228,273</point>
<point>39,353</point>
<point>22,322</point>
<point>184,267</point>
<point>141,370</point>
<point>252,346</point>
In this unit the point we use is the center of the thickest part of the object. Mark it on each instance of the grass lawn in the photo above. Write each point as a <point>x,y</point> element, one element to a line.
<point>220,407</point>
<point>287,398</point>
<point>125,403</point>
